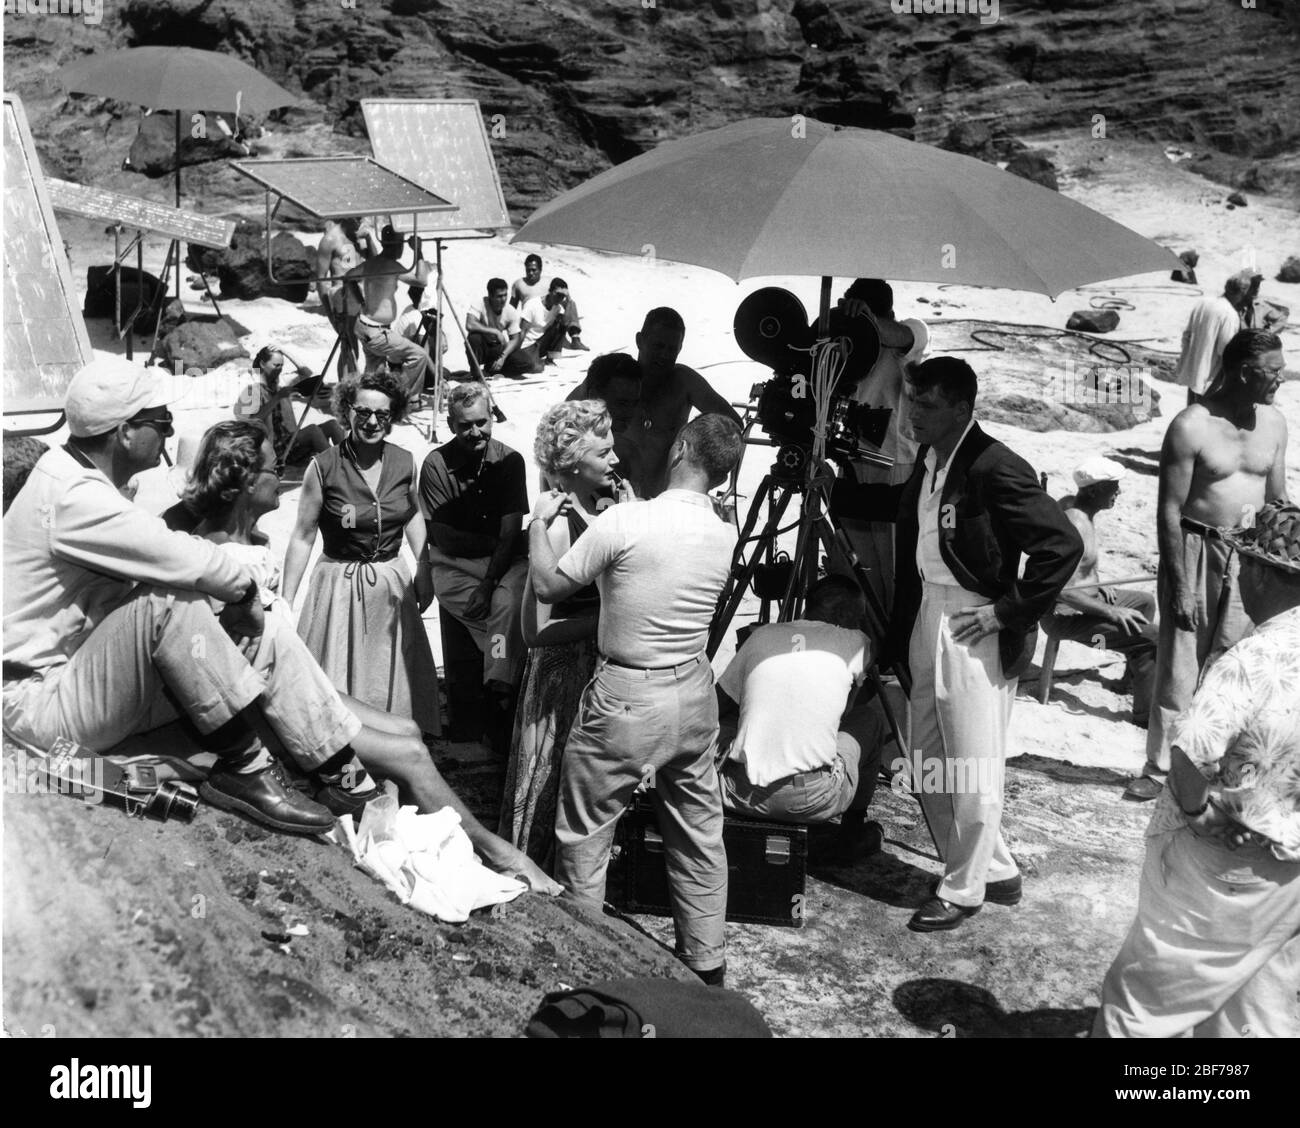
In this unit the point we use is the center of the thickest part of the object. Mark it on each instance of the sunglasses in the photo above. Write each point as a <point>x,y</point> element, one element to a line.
<point>363,414</point>
<point>163,425</point>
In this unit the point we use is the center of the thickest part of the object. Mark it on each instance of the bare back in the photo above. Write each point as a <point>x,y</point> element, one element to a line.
<point>377,280</point>
<point>336,254</point>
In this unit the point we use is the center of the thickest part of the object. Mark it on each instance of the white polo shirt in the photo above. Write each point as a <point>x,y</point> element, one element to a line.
<point>660,566</point>
<point>929,515</point>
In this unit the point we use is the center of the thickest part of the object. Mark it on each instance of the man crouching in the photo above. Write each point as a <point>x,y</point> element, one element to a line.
<point>798,751</point>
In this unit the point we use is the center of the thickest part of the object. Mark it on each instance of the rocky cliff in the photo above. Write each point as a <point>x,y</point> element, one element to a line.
<point>582,84</point>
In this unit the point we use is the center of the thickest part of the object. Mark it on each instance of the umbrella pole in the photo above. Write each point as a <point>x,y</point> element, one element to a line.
<point>178,199</point>
<point>824,307</point>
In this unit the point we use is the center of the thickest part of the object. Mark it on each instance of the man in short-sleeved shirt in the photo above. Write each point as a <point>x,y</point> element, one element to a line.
<point>474,495</point>
<point>543,321</point>
<point>1215,948</point>
<point>649,716</point>
<point>797,751</point>
<point>494,333</point>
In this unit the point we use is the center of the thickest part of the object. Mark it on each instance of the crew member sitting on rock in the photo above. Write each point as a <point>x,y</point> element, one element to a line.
<point>800,749</point>
<point>264,402</point>
<point>493,333</point>
<point>531,286</point>
<point>542,322</point>
<point>1119,620</point>
<point>373,284</point>
<point>108,629</point>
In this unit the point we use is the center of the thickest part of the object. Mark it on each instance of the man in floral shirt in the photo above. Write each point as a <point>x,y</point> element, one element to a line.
<point>1215,948</point>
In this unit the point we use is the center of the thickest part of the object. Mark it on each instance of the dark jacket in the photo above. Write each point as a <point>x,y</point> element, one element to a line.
<point>999,511</point>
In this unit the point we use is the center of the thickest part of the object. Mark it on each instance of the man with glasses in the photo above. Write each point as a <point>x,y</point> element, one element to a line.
<point>108,628</point>
<point>1223,458</point>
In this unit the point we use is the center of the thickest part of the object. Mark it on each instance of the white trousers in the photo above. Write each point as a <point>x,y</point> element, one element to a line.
<point>961,708</point>
<point>1215,949</point>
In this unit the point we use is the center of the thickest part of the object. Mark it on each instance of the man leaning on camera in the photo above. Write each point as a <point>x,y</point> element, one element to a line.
<point>797,751</point>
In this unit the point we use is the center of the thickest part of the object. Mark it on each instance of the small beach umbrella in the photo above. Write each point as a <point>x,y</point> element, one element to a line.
<point>776,196</point>
<point>179,79</point>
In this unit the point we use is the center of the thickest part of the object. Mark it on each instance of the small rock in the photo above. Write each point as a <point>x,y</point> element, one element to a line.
<point>1093,320</point>
<point>1290,271</point>
<point>456,937</point>
<point>1035,165</point>
<point>298,930</point>
<point>347,965</point>
<point>276,937</point>
<point>481,970</point>
<point>203,345</point>
<point>1238,199</point>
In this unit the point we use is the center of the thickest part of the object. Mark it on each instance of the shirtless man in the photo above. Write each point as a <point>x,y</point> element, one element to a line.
<point>615,379</point>
<point>1223,458</point>
<point>1118,619</point>
<point>668,393</point>
<point>345,244</point>
<point>374,284</point>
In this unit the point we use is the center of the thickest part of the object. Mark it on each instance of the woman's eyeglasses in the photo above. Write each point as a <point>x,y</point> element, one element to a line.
<point>364,414</point>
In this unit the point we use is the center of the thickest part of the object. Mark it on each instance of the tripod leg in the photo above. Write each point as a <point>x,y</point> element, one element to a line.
<point>733,592</point>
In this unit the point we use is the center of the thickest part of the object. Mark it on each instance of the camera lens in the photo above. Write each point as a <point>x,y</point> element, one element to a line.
<point>175,801</point>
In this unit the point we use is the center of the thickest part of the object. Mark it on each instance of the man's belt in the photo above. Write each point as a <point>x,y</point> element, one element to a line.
<point>651,669</point>
<point>371,324</point>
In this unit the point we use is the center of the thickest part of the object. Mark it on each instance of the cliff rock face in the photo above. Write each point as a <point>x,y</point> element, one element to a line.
<point>582,84</point>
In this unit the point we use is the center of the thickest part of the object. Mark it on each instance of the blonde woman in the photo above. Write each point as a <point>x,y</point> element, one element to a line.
<point>575,451</point>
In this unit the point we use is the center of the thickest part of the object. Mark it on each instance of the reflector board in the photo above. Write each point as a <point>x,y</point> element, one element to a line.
<point>338,187</point>
<point>45,340</point>
<point>442,146</point>
<point>142,215</point>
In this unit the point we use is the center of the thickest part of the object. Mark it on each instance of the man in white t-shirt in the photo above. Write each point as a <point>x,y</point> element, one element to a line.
<point>494,333</point>
<point>649,717</point>
<point>1212,324</point>
<point>531,286</point>
<point>542,321</point>
<point>798,752</point>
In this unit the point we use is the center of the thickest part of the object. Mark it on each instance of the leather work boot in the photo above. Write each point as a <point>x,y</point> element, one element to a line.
<point>264,797</point>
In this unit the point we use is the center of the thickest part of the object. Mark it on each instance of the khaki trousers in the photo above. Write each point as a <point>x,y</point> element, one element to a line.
<point>162,654</point>
<point>660,728</point>
<point>1213,570</point>
<point>498,635</point>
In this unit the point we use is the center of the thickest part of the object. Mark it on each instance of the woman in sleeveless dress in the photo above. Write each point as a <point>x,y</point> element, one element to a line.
<point>235,482</point>
<point>575,450</point>
<point>361,618</point>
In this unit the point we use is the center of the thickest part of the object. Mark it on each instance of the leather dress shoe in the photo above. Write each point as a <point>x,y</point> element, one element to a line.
<point>938,915</point>
<point>265,798</point>
<point>1143,788</point>
<point>1005,892</point>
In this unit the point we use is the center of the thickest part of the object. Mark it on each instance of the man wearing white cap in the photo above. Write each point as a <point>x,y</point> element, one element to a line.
<point>1215,949</point>
<point>108,628</point>
<point>1212,324</point>
<point>1115,619</point>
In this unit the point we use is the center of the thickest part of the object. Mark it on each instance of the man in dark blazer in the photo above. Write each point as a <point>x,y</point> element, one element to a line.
<point>969,511</point>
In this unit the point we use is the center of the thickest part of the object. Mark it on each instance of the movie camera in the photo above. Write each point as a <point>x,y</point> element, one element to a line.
<point>809,397</point>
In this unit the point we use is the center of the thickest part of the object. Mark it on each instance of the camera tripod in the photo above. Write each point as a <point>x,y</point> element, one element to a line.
<point>784,581</point>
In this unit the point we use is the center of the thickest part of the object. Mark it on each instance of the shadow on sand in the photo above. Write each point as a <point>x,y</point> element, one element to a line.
<point>953,1009</point>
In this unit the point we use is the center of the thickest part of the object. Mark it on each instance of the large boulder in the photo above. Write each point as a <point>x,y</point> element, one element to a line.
<point>101,293</point>
<point>1093,320</point>
<point>203,138</point>
<point>1290,271</point>
<point>202,345</point>
<point>241,267</point>
<point>1035,165</point>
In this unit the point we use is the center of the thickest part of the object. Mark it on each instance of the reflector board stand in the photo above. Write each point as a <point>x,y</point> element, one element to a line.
<point>124,211</point>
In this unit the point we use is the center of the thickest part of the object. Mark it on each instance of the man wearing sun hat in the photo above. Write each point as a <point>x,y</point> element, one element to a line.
<point>1215,948</point>
<point>1119,619</point>
<point>108,628</point>
<point>1212,324</point>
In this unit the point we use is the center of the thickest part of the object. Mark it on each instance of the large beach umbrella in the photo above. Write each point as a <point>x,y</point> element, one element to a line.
<point>176,78</point>
<point>776,196</point>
